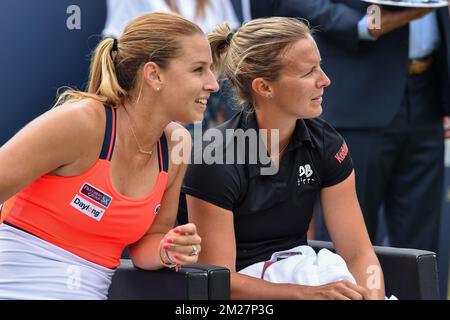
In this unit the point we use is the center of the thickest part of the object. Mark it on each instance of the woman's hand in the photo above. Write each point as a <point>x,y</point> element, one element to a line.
<point>341,290</point>
<point>181,245</point>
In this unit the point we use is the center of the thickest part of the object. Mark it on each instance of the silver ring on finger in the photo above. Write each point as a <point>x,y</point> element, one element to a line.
<point>194,251</point>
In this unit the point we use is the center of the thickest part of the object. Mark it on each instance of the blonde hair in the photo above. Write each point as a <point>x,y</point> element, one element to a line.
<point>255,50</point>
<point>113,71</point>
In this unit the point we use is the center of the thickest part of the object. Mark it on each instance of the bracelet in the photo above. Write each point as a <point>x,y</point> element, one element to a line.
<point>170,264</point>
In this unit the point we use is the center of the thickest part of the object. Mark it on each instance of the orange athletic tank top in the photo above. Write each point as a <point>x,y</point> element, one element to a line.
<point>84,214</point>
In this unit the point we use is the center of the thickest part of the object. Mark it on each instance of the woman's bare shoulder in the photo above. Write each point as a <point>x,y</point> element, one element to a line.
<point>88,111</point>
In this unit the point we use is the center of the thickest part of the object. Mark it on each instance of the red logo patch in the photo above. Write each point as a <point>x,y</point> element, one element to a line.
<point>340,156</point>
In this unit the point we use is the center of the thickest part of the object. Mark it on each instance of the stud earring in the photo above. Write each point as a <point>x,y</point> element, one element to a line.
<point>269,96</point>
<point>157,89</point>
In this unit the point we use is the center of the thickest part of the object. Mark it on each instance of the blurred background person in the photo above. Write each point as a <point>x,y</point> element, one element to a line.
<point>206,13</point>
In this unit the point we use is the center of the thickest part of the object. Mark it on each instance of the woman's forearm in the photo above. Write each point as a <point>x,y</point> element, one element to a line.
<point>249,288</point>
<point>145,253</point>
<point>368,273</point>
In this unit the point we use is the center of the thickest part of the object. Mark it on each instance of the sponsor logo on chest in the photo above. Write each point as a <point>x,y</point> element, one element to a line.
<point>305,175</point>
<point>96,195</point>
<point>88,208</point>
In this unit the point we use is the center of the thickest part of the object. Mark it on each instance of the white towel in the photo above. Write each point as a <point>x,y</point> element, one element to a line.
<point>302,265</point>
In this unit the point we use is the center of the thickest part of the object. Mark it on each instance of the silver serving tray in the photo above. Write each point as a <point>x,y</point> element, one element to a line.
<point>411,3</point>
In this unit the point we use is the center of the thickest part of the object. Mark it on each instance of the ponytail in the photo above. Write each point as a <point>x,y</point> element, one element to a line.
<point>103,85</point>
<point>102,77</point>
<point>219,41</point>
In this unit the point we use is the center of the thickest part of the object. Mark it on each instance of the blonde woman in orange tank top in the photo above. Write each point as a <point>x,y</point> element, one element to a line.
<point>95,173</point>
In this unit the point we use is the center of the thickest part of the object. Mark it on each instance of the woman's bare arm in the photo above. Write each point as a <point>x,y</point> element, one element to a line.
<point>346,227</point>
<point>65,136</point>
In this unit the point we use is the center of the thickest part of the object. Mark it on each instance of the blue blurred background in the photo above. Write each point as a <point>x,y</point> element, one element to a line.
<point>39,54</point>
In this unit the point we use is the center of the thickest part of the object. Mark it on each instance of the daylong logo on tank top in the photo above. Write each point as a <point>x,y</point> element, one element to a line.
<point>87,208</point>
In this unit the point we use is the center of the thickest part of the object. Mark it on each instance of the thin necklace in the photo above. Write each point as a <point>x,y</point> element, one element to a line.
<point>284,148</point>
<point>281,151</point>
<point>149,153</point>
